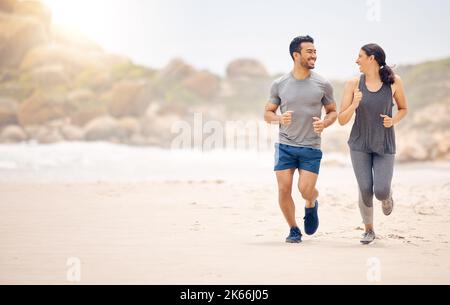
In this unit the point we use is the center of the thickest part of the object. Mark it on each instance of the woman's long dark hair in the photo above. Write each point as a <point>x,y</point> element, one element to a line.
<point>386,73</point>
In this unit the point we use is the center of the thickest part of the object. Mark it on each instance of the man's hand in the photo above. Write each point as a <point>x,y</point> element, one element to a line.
<point>286,118</point>
<point>388,122</point>
<point>318,125</point>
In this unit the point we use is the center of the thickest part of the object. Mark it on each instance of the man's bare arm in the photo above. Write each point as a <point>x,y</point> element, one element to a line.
<point>271,117</point>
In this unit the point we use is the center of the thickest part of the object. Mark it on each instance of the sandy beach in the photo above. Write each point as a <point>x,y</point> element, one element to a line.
<point>137,141</point>
<point>222,232</point>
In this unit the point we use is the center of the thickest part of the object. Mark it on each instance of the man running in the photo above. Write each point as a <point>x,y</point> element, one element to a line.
<point>300,95</point>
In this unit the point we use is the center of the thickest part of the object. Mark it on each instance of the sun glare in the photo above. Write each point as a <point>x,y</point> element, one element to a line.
<point>93,18</point>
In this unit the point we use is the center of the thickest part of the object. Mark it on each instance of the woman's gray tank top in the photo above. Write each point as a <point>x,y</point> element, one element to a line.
<point>368,132</point>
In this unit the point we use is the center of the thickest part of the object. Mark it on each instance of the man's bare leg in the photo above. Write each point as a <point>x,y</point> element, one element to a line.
<point>287,205</point>
<point>307,187</point>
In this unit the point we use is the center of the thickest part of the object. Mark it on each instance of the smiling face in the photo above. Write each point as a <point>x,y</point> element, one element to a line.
<point>306,56</point>
<point>365,62</point>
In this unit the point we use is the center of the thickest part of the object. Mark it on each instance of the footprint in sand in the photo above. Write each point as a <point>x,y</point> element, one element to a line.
<point>395,236</point>
<point>424,210</point>
<point>417,237</point>
<point>110,194</point>
<point>211,275</point>
<point>195,227</point>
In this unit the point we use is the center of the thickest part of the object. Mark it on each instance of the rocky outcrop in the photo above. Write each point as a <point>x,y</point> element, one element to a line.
<point>79,97</point>
<point>49,136</point>
<point>49,76</point>
<point>104,129</point>
<point>57,85</point>
<point>130,126</point>
<point>19,34</point>
<point>130,98</point>
<point>7,5</point>
<point>12,134</point>
<point>85,106</point>
<point>205,84</point>
<point>8,111</point>
<point>41,108</point>
<point>34,9</point>
<point>177,70</point>
<point>425,135</point>
<point>73,61</point>
<point>246,69</point>
<point>72,133</point>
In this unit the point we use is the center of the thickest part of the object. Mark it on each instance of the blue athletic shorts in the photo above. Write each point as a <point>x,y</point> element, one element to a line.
<point>291,157</point>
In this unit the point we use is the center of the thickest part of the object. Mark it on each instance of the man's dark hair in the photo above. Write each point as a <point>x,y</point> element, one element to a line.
<point>296,44</point>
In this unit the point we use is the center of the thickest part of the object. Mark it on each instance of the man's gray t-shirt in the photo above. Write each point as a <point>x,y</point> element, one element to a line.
<point>306,99</point>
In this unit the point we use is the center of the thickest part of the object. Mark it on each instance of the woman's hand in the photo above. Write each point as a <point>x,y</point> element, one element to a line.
<point>350,101</point>
<point>388,122</point>
<point>357,97</point>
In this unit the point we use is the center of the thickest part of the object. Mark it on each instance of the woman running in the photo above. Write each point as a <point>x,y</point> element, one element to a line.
<point>372,140</point>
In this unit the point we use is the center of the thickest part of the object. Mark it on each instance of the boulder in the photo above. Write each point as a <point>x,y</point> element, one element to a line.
<point>95,79</point>
<point>130,126</point>
<point>177,70</point>
<point>73,60</point>
<point>72,133</point>
<point>204,84</point>
<point>103,129</point>
<point>414,146</point>
<point>424,135</point>
<point>49,136</point>
<point>18,35</point>
<point>246,69</point>
<point>80,97</point>
<point>442,144</point>
<point>41,108</point>
<point>162,125</point>
<point>130,98</point>
<point>148,119</point>
<point>34,9</point>
<point>87,106</point>
<point>138,140</point>
<point>13,134</point>
<point>50,76</point>
<point>83,116</point>
<point>32,131</point>
<point>8,111</point>
<point>7,5</point>
<point>58,123</point>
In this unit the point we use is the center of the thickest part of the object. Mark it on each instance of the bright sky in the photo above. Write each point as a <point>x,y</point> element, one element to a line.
<point>211,33</point>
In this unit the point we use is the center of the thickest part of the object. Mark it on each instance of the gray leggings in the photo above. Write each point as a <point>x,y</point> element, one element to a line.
<point>374,175</point>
